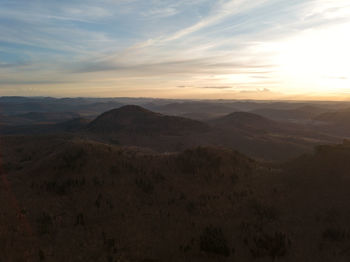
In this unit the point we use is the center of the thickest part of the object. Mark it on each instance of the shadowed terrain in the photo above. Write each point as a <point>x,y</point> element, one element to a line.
<point>132,184</point>
<point>100,202</point>
<point>134,125</point>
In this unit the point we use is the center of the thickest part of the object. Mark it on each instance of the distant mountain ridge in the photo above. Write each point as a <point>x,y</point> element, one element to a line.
<point>133,125</point>
<point>243,119</point>
<point>195,110</point>
<point>337,117</point>
<point>300,113</point>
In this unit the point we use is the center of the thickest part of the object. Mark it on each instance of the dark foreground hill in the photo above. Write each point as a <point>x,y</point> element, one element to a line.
<point>80,200</point>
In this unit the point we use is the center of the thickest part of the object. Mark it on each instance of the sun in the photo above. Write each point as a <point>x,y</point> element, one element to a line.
<point>316,61</point>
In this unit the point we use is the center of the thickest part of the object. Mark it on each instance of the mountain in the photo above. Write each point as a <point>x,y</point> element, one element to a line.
<point>69,126</point>
<point>250,122</point>
<point>83,106</point>
<point>302,113</point>
<point>47,117</point>
<point>244,120</point>
<point>37,118</point>
<point>335,122</point>
<point>73,125</point>
<point>261,137</point>
<point>137,120</point>
<point>335,117</point>
<point>251,134</point>
<point>132,125</point>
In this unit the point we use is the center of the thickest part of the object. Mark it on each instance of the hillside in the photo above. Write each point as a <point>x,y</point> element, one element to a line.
<point>244,120</point>
<point>135,119</point>
<point>299,114</point>
<point>83,106</point>
<point>47,117</point>
<point>264,138</point>
<point>254,135</point>
<point>339,117</point>
<point>107,203</point>
<point>335,122</point>
<point>70,126</point>
<point>116,203</point>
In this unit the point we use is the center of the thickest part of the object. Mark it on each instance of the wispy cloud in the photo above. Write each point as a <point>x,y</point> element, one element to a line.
<point>220,11</point>
<point>12,65</point>
<point>217,87</point>
<point>160,12</point>
<point>216,46</point>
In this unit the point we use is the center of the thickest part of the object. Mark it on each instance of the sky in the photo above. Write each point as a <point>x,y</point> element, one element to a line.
<point>219,49</point>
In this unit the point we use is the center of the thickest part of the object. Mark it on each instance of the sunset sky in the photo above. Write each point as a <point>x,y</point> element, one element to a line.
<point>261,49</point>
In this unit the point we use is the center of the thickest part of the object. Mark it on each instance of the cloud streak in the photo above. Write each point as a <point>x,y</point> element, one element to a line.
<point>133,44</point>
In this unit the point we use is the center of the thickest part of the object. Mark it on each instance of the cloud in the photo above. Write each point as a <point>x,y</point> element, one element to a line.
<point>263,90</point>
<point>37,82</point>
<point>338,77</point>
<point>205,87</point>
<point>221,11</point>
<point>160,12</point>
<point>136,44</point>
<point>203,66</point>
<point>217,87</point>
<point>12,65</point>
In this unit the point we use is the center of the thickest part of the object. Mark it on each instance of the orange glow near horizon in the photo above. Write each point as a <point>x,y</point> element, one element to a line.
<point>199,49</point>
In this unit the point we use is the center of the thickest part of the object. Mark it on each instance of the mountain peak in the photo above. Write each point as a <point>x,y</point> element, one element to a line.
<point>132,108</point>
<point>129,109</point>
<point>242,118</point>
<point>136,119</point>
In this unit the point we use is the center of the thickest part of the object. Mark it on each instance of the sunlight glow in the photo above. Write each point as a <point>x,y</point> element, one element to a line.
<point>225,48</point>
<point>317,60</point>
